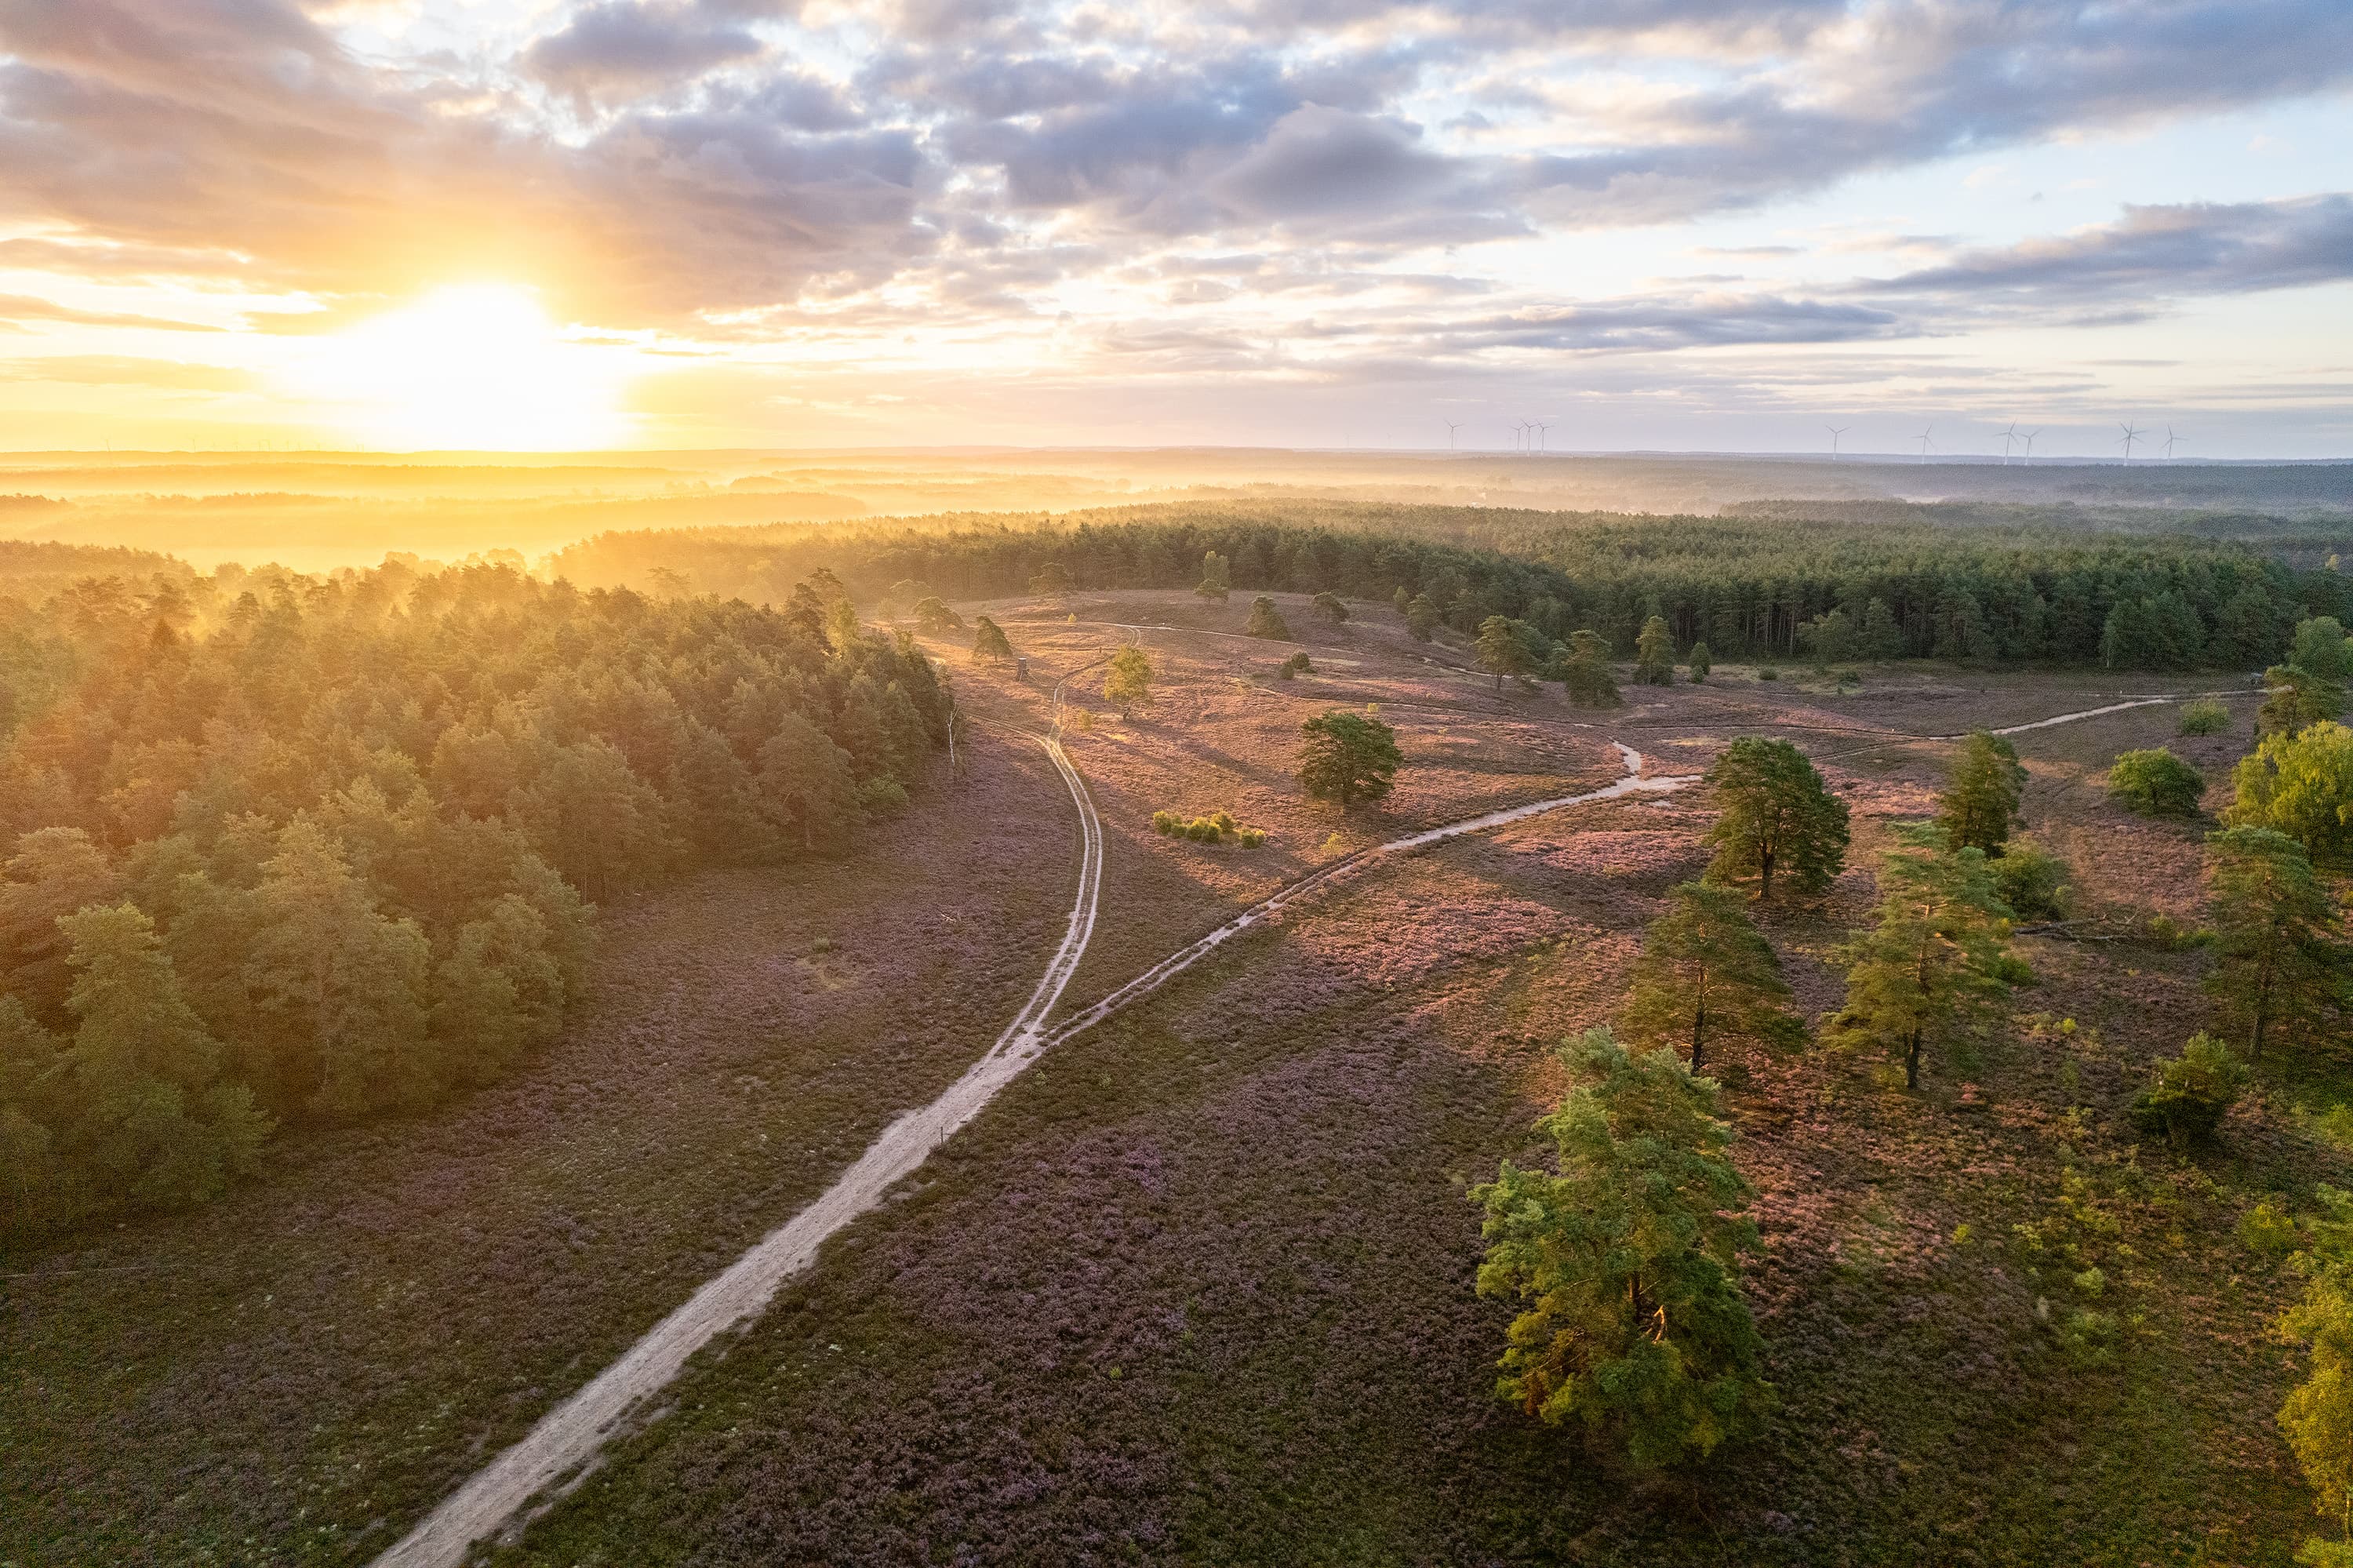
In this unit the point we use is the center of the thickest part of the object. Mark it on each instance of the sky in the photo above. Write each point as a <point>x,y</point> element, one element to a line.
<point>1715,224</point>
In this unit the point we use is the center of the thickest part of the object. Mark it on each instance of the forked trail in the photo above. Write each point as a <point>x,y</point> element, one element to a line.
<point>569,1438</point>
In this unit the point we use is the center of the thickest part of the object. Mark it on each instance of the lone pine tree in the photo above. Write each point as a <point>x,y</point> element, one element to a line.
<point>1706,973</point>
<point>1776,818</point>
<point>1626,1265</point>
<point>1979,805</point>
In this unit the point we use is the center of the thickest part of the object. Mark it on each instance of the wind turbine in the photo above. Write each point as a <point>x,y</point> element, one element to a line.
<point>1451,426</point>
<point>2170,439</point>
<point>2131,436</point>
<point>1925,443</point>
<point>1836,431</point>
<point>2008,435</point>
<point>1543,432</point>
<point>2029,438</point>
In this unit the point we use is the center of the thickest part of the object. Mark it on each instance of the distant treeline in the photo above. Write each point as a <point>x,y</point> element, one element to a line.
<point>1748,587</point>
<point>288,850</point>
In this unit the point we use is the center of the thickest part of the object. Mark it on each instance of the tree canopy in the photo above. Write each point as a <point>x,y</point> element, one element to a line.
<point>1937,953</point>
<point>2276,933</point>
<point>1128,683</point>
<point>1980,800</point>
<point>330,847</point>
<point>1775,816</point>
<point>1705,973</point>
<point>1625,1265</point>
<point>1347,756</point>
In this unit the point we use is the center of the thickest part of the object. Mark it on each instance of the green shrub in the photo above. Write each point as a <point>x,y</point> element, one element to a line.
<point>1766,673</point>
<point>1265,621</point>
<point>1200,829</point>
<point>2191,1092</point>
<point>1848,680</point>
<point>2088,1338</point>
<point>2033,882</point>
<point>2269,1229</point>
<point>2204,716</point>
<point>1224,820</point>
<point>1297,664</point>
<point>1167,821</point>
<point>2155,783</point>
<point>1254,837</point>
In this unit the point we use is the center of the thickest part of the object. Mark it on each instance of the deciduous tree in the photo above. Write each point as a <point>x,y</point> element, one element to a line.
<point>2302,785</point>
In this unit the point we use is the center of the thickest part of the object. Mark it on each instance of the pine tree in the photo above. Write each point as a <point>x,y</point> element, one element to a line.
<point>933,617</point>
<point>841,629</point>
<point>2276,940</point>
<point>342,986</point>
<point>1347,757</point>
<point>1401,599</point>
<point>1979,806</point>
<point>1705,973</point>
<point>1585,674</point>
<point>1500,651</point>
<point>1327,606</point>
<point>1654,653</point>
<point>1701,662</point>
<point>1129,681</point>
<point>1937,953</point>
<point>1217,577</point>
<point>1267,622</point>
<point>1626,1265</point>
<point>1775,817</point>
<point>810,783</point>
<point>989,642</point>
<point>150,1120</point>
<point>1421,616</point>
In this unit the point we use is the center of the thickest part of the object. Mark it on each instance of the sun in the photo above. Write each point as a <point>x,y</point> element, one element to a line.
<point>470,365</point>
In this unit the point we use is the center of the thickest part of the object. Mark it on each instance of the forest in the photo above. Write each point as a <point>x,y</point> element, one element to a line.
<point>1748,587</point>
<point>290,850</point>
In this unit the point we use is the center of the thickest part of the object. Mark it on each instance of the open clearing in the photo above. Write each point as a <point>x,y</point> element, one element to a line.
<point>1197,1286</point>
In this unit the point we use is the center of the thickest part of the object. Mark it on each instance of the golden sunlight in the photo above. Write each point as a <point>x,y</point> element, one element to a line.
<point>476,366</point>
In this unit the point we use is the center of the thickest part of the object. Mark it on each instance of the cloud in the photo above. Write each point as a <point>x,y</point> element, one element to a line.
<point>18,308</point>
<point>2158,252</point>
<point>630,44</point>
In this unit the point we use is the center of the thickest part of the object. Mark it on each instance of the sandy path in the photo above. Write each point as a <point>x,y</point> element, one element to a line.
<point>571,1434</point>
<point>570,1437</point>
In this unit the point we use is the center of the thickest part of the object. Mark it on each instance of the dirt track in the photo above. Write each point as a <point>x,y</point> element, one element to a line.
<point>570,1437</point>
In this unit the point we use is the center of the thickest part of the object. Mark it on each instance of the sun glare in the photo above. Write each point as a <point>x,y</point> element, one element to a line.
<point>472,365</point>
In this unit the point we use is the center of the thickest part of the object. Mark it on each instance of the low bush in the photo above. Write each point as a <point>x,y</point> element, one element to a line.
<point>1296,665</point>
<point>2204,716</point>
<point>1267,622</point>
<point>2032,881</point>
<point>1214,829</point>
<point>2190,1093</point>
<point>2270,1230</point>
<point>2155,783</point>
<point>1766,673</point>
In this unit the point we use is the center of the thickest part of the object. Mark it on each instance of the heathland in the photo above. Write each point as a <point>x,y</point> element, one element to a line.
<point>680,811</point>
